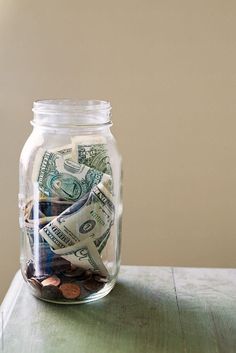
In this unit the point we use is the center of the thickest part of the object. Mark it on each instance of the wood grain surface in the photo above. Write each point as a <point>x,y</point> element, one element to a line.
<point>151,309</point>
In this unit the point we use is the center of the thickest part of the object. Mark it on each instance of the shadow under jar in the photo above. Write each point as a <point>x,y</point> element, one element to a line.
<point>70,202</point>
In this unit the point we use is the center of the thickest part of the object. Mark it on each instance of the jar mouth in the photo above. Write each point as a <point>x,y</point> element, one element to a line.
<point>72,112</point>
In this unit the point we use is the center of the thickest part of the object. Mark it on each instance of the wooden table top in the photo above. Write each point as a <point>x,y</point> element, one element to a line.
<point>151,309</point>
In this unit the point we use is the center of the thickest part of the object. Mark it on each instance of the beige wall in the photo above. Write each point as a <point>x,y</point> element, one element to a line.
<point>169,69</point>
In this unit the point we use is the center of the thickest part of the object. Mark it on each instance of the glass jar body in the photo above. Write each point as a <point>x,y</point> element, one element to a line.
<point>70,212</point>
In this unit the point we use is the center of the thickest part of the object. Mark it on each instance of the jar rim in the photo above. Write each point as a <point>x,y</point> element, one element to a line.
<point>69,105</point>
<point>72,111</point>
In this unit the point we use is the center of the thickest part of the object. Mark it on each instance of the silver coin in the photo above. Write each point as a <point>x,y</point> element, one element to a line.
<point>35,285</point>
<point>93,286</point>
<point>78,272</point>
<point>100,279</point>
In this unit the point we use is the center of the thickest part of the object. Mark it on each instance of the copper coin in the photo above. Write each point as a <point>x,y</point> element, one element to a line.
<point>51,292</point>
<point>93,286</point>
<point>53,280</point>
<point>70,290</point>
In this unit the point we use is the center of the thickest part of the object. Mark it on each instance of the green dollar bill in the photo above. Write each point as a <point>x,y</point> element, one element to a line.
<point>84,255</point>
<point>92,151</point>
<point>87,221</point>
<point>64,178</point>
<point>65,151</point>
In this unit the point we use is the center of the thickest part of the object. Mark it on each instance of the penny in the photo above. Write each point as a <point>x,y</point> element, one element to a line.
<point>70,290</point>
<point>51,292</point>
<point>93,286</point>
<point>53,280</point>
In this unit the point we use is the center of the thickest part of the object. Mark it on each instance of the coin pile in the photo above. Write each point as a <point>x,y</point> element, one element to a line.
<point>68,283</point>
<point>69,224</point>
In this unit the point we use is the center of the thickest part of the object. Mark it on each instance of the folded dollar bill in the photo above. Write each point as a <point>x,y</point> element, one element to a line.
<point>64,178</point>
<point>83,228</point>
<point>91,150</point>
<point>84,255</point>
<point>65,151</point>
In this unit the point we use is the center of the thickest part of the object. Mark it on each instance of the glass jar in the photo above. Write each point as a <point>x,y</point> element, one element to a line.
<point>70,202</point>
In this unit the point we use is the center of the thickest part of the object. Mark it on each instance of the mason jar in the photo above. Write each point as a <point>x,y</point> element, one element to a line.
<point>70,202</point>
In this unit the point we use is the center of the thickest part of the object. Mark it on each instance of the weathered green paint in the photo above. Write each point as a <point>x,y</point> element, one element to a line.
<point>151,309</point>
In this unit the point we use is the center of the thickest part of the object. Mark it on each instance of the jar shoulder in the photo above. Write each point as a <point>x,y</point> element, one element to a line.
<point>59,141</point>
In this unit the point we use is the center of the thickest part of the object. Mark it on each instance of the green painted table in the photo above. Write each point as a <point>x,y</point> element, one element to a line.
<point>151,309</point>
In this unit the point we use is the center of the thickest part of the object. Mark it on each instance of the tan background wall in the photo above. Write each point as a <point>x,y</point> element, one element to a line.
<point>169,69</point>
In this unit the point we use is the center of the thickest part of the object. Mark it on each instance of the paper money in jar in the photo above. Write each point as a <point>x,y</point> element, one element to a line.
<point>70,202</point>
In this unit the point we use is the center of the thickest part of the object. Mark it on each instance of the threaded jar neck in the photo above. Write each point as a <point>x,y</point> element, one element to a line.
<point>67,112</point>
